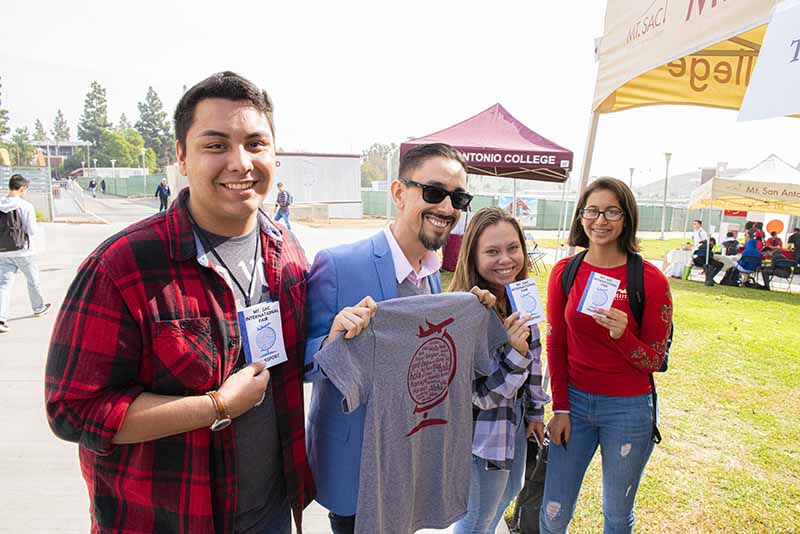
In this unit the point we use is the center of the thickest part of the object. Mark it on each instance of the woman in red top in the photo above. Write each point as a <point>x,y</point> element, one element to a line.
<point>600,364</point>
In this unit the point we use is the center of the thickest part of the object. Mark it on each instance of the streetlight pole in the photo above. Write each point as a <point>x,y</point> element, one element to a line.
<point>630,183</point>
<point>144,172</point>
<point>667,157</point>
<point>95,167</point>
<point>113,168</point>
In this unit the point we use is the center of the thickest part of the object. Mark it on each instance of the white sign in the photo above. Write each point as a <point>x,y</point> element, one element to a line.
<point>524,298</point>
<point>774,90</point>
<point>599,293</point>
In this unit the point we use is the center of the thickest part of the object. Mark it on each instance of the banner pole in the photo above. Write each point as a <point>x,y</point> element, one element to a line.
<point>587,158</point>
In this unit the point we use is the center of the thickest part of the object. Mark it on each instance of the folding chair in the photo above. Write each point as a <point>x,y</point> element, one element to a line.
<point>535,256</point>
<point>787,273</point>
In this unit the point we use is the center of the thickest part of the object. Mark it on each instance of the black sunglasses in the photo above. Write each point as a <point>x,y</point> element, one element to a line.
<point>433,194</point>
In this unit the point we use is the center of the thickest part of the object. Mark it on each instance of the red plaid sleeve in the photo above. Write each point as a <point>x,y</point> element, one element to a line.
<point>93,362</point>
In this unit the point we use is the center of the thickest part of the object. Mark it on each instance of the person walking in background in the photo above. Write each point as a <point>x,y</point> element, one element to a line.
<point>163,193</point>
<point>93,187</point>
<point>103,186</point>
<point>508,404</point>
<point>282,203</point>
<point>17,226</point>
<point>600,364</point>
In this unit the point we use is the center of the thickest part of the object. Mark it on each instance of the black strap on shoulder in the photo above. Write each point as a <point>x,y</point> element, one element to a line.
<point>636,286</point>
<point>569,273</point>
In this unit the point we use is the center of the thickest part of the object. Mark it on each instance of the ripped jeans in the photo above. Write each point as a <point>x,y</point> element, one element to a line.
<point>622,427</point>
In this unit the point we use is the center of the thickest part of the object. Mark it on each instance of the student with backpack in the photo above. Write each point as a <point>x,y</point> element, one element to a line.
<point>17,225</point>
<point>282,203</point>
<point>601,365</point>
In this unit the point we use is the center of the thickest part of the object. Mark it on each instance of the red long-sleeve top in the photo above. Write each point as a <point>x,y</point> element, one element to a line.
<point>580,352</point>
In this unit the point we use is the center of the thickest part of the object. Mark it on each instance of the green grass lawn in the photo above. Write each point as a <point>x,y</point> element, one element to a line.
<point>730,419</point>
<point>651,248</point>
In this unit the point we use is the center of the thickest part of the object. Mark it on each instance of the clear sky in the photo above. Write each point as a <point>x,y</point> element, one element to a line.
<point>345,74</point>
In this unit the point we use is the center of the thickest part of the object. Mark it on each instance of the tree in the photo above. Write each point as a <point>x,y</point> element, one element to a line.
<point>123,123</point>
<point>373,163</point>
<point>155,127</point>
<point>21,147</point>
<point>38,131</point>
<point>4,128</point>
<point>60,129</point>
<point>94,119</point>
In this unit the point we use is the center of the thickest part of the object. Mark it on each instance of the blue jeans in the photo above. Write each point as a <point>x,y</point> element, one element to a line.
<point>490,491</point>
<point>622,426</point>
<point>8,268</point>
<point>283,214</point>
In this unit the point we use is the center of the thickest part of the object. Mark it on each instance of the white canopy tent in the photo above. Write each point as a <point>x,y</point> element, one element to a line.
<point>771,186</point>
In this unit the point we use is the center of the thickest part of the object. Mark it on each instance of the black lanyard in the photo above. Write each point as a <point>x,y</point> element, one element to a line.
<point>207,244</point>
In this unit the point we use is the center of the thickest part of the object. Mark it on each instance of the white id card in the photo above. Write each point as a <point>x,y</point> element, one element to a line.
<point>599,293</point>
<point>262,336</point>
<point>524,298</point>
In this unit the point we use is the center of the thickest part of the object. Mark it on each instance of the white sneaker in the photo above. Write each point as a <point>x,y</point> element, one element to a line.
<point>3,327</point>
<point>44,310</point>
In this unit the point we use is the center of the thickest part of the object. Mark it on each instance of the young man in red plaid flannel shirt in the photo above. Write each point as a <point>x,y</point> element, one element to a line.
<point>145,369</point>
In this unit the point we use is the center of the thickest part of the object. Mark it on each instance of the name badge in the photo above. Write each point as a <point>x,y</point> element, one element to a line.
<point>262,336</point>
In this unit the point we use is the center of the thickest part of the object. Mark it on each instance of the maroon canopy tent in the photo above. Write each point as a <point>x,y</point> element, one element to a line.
<point>494,143</point>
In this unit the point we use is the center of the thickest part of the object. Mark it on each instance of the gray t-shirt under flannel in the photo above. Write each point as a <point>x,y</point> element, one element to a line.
<point>413,368</point>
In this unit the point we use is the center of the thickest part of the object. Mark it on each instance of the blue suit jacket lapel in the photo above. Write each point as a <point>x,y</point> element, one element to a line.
<point>384,266</point>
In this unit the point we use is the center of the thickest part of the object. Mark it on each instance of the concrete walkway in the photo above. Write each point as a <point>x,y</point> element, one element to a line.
<point>43,491</point>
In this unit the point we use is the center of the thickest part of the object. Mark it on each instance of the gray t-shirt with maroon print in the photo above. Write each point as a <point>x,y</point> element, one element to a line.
<point>413,368</point>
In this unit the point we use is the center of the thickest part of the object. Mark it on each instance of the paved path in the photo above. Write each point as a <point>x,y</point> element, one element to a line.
<point>43,492</point>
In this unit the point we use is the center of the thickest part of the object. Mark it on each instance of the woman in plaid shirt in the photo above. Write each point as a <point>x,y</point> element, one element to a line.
<point>492,255</point>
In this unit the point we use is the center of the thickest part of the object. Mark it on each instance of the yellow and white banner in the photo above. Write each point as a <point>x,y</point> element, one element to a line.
<point>691,52</point>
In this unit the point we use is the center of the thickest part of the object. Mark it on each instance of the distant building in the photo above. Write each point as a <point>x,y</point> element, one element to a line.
<point>59,151</point>
<point>680,186</point>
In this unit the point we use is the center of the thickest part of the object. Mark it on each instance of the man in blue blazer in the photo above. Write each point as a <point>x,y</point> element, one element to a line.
<point>343,286</point>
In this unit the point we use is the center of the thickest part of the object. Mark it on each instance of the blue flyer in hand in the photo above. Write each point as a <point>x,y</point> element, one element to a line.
<point>524,297</point>
<point>599,293</point>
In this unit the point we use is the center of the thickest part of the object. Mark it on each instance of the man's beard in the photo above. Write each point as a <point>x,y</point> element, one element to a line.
<point>432,243</point>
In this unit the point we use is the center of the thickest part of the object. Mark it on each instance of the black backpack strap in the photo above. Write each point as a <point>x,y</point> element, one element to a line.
<point>636,286</point>
<point>571,270</point>
<point>636,302</point>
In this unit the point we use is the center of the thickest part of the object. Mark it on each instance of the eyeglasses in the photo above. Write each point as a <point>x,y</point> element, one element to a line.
<point>433,194</point>
<point>611,214</point>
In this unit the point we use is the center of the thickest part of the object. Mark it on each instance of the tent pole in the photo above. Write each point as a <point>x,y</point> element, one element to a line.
<point>587,157</point>
<point>514,201</point>
<point>561,218</point>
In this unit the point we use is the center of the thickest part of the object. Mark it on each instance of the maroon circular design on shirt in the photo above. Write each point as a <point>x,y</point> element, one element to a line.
<point>430,372</point>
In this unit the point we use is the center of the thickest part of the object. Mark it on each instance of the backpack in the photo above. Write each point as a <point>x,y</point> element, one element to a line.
<point>288,201</point>
<point>635,288</point>
<point>12,233</point>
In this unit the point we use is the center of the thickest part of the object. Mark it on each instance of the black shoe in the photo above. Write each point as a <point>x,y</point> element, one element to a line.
<point>3,327</point>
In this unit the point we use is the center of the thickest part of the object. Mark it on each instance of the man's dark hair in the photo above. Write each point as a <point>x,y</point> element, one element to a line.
<point>226,85</point>
<point>280,184</point>
<point>627,202</point>
<point>414,158</point>
<point>760,225</point>
<point>797,229</point>
<point>17,182</point>
<point>773,234</point>
<point>729,234</point>
<point>698,221</point>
